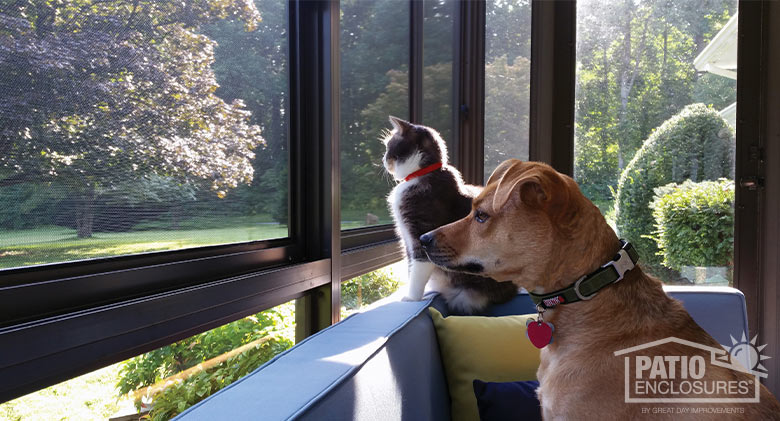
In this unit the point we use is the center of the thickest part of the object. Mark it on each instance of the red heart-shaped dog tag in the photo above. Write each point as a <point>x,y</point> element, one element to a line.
<point>539,333</point>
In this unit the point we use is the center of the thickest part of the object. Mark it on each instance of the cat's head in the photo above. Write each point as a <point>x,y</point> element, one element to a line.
<point>411,147</point>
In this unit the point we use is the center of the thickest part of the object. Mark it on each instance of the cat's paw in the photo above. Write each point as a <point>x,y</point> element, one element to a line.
<point>408,298</point>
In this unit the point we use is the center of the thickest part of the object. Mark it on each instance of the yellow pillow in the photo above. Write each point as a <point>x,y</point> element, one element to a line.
<point>491,349</point>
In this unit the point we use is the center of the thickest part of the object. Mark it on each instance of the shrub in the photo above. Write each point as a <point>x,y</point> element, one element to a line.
<point>695,144</point>
<point>147,369</point>
<point>695,223</point>
<point>178,397</point>
<point>366,289</point>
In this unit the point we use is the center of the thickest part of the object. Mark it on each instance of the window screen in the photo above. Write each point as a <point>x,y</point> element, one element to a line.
<point>129,127</point>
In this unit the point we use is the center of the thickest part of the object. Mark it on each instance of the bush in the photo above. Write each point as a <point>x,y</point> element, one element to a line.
<point>366,289</point>
<point>30,205</point>
<point>147,369</point>
<point>178,397</point>
<point>695,223</point>
<point>695,144</point>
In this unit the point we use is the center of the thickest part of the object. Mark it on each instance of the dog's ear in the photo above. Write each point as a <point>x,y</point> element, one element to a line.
<point>538,187</point>
<point>501,169</point>
<point>528,187</point>
<point>401,126</point>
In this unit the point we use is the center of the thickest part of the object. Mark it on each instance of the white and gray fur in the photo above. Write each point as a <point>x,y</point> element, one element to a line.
<point>427,202</point>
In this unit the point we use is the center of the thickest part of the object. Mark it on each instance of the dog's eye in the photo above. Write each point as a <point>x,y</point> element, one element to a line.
<point>480,216</point>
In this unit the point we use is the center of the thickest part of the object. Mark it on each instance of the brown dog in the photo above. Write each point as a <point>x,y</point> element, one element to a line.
<point>531,225</point>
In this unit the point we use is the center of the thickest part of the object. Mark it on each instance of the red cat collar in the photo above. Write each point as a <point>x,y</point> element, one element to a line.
<point>423,171</point>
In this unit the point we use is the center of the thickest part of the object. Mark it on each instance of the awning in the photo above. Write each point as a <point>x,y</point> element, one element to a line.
<point>720,55</point>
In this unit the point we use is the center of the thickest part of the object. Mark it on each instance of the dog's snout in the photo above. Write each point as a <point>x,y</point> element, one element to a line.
<point>427,239</point>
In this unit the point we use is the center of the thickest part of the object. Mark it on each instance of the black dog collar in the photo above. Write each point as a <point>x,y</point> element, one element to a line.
<point>588,286</point>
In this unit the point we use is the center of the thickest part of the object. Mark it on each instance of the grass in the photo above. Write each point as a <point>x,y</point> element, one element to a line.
<point>357,218</point>
<point>52,244</point>
<point>92,396</point>
<point>59,244</point>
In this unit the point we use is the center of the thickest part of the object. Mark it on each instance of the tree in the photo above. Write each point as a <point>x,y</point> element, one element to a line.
<point>374,61</point>
<point>507,91</point>
<point>509,30</point>
<point>635,67</point>
<point>252,66</point>
<point>102,92</point>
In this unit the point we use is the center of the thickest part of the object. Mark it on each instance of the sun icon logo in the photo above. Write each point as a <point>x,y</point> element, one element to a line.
<point>748,353</point>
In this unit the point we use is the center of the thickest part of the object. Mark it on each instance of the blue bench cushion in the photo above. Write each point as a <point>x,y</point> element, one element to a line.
<point>361,368</point>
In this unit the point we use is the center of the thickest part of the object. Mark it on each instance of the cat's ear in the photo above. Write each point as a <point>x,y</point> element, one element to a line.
<point>401,126</point>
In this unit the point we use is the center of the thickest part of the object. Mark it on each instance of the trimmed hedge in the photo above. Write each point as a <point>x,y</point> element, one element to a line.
<point>695,144</point>
<point>695,223</point>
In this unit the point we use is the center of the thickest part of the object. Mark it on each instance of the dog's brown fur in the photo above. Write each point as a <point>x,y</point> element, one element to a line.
<point>540,232</point>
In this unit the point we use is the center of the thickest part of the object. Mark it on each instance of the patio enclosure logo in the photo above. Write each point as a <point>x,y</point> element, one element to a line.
<point>652,376</point>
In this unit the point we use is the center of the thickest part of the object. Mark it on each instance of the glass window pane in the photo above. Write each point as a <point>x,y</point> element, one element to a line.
<point>374,85</point>
<point>124,132</point>
<point>507,81</point>
<point>655,111</point>
<point>169,379</point>
<point>438,44</point>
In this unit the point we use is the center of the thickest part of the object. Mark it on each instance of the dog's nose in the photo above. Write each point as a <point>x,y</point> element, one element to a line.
<point>426,239</point>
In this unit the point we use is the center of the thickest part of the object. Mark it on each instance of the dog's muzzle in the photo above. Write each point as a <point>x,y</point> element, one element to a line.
<point>443,257</point>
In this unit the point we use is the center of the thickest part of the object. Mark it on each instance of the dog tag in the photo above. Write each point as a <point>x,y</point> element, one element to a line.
<point>539,332</point>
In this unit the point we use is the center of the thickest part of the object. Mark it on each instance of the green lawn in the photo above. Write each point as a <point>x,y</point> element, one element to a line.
<point>92,396</point>
<point>357,218</point>
<point>52,244</point>
<point>58,244</point>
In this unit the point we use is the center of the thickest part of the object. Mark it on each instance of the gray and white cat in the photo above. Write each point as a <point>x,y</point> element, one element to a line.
<point>430,194</point>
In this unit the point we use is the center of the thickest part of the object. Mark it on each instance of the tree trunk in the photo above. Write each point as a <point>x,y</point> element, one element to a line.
<point>605,94</point>
<point>85,214</point>
<point>275,134</point>
<point>628,75</point>
<point>625,87</point>
<point>176,216</point>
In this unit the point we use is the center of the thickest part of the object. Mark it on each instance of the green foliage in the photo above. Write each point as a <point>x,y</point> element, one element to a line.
<point>177,398</point>
<point>366,289</point>
<point>437,99</point>
<point>507,110</point>
<point>26,205</point>
<point>147,369</point>
<point>715,90</point>
<point>695,144</point>
<point>374,42</point>
<point>635,70</point>
<point>695,223</point>
<point>102,93</point>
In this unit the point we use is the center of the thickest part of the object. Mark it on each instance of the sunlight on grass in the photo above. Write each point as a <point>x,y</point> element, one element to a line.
<point>92,396</point>
<point>56,244</point>
<point>125,249</point>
